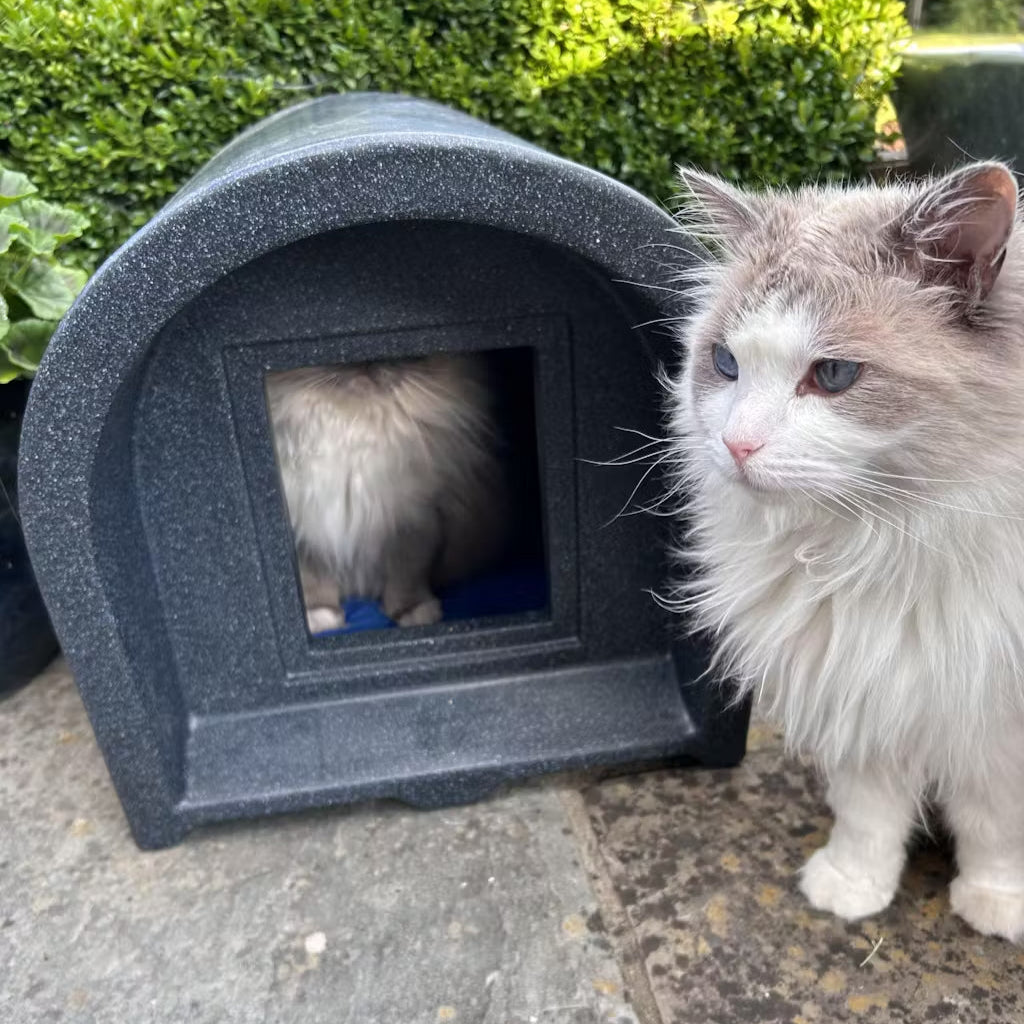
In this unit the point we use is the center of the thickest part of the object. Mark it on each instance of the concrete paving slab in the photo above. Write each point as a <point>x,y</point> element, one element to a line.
<point>704,865</point>
<point>658,898</point>
<point>373,915</point>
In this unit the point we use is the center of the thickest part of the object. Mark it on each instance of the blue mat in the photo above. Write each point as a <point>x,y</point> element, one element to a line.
<point>503,592</point>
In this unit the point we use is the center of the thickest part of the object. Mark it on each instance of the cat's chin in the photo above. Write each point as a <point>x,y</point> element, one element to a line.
<point>759,489</point>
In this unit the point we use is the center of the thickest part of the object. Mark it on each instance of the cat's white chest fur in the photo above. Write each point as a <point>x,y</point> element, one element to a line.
<point>898,666</point>
<point>866,647</point>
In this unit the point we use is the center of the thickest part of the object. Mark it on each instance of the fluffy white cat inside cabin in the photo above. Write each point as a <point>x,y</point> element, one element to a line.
<point>391,478</point>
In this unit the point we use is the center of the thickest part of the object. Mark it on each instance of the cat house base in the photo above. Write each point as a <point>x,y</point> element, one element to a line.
<point>346,229</point>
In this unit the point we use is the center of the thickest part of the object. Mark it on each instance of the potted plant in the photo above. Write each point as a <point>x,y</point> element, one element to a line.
<point>36,290</point>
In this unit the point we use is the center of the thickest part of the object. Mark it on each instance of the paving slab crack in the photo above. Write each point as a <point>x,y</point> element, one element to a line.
<point>625,942</point>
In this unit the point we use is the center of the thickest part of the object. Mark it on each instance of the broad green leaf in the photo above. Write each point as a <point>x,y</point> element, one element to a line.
<point>5,324</point>
<point>10,224</point>
<point>46,225</point>
<point>8,371</point>
<point>74,277</point>
<point>26,341</point>
<point>48,291</point>
<point>14,186</point>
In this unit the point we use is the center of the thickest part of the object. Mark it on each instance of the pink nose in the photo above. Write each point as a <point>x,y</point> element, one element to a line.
<point>742,450</point>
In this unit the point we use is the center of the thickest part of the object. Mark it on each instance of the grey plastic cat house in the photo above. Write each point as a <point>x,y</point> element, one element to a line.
<point>350,229</point>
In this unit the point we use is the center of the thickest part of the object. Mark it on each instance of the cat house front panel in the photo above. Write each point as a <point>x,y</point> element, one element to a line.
<point>376,293</point>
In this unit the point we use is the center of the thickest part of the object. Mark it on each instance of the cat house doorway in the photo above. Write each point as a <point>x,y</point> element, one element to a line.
<point>499,569</point>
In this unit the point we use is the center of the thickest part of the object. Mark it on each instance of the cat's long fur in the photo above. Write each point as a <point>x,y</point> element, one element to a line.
<point>391,479</point>
<point>864,571</point>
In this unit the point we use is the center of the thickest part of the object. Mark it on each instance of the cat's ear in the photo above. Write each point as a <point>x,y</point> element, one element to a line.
<point>956,232</point>
<point>712,207</point>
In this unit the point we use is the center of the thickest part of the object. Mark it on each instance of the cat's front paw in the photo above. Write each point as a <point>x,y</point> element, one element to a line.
<point>989,911</point>
<point>849,895</point>
<point>322,619</point>
<point>424,614</point>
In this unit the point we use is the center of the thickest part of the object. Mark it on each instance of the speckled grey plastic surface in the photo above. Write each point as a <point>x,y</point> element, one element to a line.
<point>352,228</point>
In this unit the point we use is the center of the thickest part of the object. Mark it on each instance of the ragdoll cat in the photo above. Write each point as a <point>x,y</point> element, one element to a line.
<point>391,479</point>
<point>850,429</point>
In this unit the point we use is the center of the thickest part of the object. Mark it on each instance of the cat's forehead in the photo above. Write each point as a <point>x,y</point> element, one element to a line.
<point>773,332</point>
<point>790,317</point>
<point>815,279</point>
<point>809,240</point>
<point>794,304</point>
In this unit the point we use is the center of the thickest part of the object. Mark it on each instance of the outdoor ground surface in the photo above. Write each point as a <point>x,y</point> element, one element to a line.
<point>658,898</point>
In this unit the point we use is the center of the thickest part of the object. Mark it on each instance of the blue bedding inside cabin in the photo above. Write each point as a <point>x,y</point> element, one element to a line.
<point>505,591</point>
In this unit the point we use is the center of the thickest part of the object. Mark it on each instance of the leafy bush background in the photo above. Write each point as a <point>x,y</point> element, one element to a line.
<point>110,105</point>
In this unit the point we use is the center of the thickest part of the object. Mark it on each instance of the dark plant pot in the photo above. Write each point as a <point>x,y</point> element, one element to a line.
<point>27,642</point>
<point>960,105</point>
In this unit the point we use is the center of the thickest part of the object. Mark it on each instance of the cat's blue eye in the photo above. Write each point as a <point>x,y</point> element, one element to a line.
<point>725,362</point>
<point>835,375</point>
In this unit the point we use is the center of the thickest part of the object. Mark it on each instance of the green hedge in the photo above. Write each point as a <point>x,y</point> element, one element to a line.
<point>109,105</point>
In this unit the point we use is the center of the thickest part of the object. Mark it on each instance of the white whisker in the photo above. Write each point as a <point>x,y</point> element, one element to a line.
<point>632,494</point>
